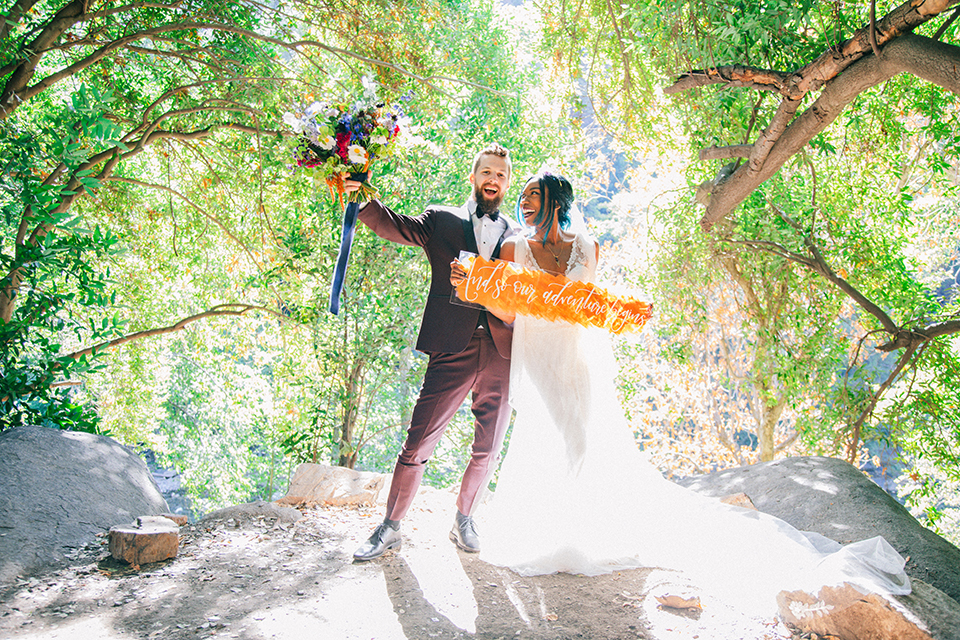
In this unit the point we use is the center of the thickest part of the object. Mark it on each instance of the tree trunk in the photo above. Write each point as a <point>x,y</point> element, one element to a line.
<point>351,409</point>
<point>768,428</point>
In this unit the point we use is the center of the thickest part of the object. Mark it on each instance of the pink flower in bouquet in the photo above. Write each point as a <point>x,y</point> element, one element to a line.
<point>343,141</point>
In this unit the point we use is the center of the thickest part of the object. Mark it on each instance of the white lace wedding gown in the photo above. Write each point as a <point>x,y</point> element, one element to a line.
<point>575,495</point>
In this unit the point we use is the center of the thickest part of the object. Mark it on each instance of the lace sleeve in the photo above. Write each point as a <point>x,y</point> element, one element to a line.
<point>583,262</point>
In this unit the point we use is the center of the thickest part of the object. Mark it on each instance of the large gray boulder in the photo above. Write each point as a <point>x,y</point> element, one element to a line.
<point>833,498</point>
<point>58,489</point>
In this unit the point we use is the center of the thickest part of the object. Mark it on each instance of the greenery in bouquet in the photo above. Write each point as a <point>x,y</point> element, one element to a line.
<point>337,138</point>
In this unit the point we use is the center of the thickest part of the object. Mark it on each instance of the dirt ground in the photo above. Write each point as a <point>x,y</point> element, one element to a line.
<point>262,579</point>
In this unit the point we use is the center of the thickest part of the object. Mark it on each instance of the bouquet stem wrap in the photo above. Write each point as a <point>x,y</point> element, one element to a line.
<point>346,241</point>
<point>505,286</point>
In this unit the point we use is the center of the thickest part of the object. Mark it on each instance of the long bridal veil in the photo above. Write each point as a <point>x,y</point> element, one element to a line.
<point>576,495</point>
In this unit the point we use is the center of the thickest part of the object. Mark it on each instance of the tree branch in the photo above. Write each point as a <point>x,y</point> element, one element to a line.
<point>928,59</point>
<point>93,15</point>
<point>902,338</point>
<point>734,75</point>
<point>854,443</point>
<point>194,206</point>
<point>627,80</point>
<point>222,310</point>
<point>68,16</point>
<point>911,337</point>
<point>12,17</point>
<point>721,153</point>
<point>874,47</point>
<point>946,24</point>
<point>899,22</point>
<point>769,136</point>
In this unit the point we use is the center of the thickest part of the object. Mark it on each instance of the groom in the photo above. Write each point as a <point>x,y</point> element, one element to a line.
<point>469,350</point>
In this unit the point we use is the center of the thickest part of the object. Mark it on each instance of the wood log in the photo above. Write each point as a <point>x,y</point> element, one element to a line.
<point>144,542</point>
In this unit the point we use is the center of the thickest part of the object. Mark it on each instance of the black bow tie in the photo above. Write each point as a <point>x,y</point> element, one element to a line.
<point>493,215</point>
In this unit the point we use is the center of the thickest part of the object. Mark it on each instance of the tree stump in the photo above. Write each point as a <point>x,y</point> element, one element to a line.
<point>846,613</point>
<point>149,540</point>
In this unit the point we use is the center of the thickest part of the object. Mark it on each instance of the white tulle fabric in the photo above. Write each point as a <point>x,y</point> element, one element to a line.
<point>575,494</point>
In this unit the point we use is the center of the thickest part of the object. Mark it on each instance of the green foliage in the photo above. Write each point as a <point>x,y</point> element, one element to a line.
<point>169,145</point>
<point>60,278</point>
<point>874,194</point>
<point>219,426</point>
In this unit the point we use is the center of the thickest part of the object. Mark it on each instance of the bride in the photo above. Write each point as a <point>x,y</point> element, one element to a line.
<point>574,494</point>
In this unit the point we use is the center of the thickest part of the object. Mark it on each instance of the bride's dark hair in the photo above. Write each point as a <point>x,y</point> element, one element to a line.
<point>556,193</point>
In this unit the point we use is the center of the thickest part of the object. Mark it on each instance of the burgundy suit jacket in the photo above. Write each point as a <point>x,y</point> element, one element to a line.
<point>442,232</point>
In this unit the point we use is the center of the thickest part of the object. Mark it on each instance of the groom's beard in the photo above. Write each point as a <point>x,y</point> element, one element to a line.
<point>484,204</point>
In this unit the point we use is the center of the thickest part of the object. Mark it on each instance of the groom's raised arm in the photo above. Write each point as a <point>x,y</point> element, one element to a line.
<point>390,225</point>
<point>396,227</point>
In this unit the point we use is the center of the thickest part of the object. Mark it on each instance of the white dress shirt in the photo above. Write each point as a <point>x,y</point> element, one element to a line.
<point>486,231</point>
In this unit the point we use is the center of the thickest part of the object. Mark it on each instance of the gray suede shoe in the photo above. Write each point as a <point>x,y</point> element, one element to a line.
<point>464,533</point>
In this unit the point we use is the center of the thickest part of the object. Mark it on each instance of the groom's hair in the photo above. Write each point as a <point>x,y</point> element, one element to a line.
<point>493,149</point>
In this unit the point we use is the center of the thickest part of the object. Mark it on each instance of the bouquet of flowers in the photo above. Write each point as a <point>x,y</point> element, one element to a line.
<point>337,138</point>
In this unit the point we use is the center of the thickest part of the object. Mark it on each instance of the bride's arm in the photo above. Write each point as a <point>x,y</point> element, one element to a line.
<point>508,252</point>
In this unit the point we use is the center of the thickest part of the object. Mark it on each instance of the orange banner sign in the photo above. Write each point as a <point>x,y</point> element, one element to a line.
<point>505,286</point>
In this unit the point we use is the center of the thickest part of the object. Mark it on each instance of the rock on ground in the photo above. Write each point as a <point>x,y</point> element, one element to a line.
<point>259,510</point>
<point>833,498</point>
<point>335,486</point>
<point>59,489</point>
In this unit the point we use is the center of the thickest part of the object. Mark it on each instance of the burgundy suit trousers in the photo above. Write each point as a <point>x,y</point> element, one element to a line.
<point>449,377</point>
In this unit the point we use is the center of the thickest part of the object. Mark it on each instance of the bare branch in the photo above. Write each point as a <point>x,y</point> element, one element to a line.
<point>753,118</point>
<point>770,135</point>
<point>865,303</point>
<point>818,264</point>
<point>873,29</point>
<point>222,310</point>
<point>854,443</point>
<point>946,24</point>
<point>907,337</point>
